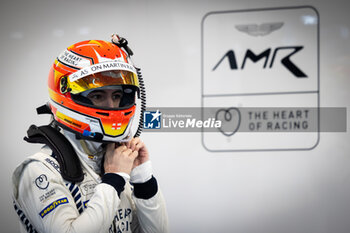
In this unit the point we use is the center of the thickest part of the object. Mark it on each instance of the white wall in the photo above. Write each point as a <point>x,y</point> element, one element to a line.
<point>247,192</point>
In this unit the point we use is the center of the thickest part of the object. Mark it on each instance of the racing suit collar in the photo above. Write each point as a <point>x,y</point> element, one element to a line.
<point>90,152</point>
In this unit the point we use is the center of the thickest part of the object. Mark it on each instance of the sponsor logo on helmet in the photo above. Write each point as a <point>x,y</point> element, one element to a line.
<point>105,66</point>
<point>71,59</point>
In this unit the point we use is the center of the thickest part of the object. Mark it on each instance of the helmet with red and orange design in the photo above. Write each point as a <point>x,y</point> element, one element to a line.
<point>92,87</point>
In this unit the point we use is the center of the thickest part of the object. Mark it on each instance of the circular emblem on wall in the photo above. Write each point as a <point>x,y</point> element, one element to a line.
<point>41,182</point>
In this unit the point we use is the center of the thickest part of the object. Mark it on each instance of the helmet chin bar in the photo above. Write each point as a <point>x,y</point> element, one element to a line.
<point>98,127</point>
<point>45,109</point>
<point>97,137</point>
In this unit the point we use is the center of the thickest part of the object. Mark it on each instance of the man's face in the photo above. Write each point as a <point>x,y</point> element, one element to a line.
<point>109,98</point>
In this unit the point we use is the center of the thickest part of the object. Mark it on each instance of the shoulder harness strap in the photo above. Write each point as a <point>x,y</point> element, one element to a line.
<point>63,151</point>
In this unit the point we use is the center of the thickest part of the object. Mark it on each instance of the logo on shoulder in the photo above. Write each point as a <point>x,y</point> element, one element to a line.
<point>48,209</point>
<point>41,182</point>
<point>53,164</point>
<point>152,119</point>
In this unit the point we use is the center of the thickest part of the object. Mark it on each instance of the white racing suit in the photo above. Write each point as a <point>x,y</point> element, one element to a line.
<point>45,202</point>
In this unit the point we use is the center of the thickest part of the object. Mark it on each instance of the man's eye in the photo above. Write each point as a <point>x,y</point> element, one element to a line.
<point>95,97</point>
<point>117,96</point>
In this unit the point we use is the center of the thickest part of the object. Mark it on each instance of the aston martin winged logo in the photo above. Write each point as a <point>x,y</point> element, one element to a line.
<point>259,30</point>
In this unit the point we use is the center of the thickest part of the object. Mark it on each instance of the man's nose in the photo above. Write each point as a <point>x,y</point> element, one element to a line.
<point>110,103</point>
